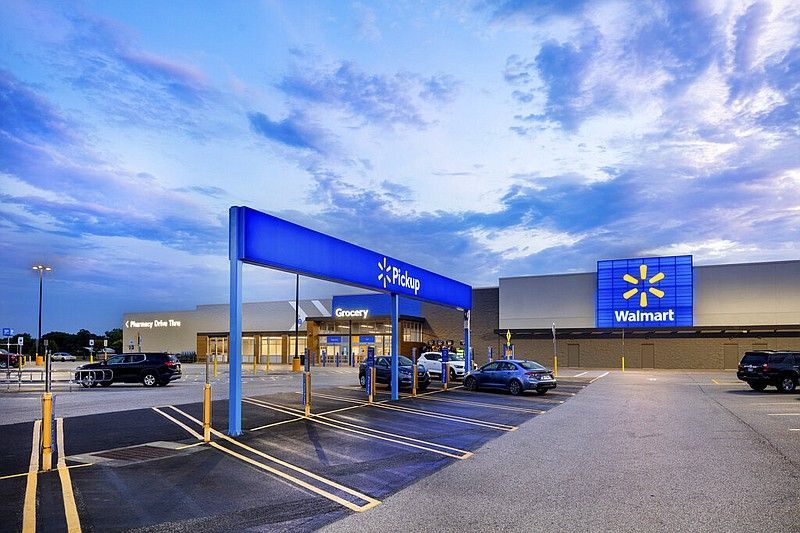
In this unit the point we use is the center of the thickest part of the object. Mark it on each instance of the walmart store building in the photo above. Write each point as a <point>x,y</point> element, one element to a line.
<point>661,312</point>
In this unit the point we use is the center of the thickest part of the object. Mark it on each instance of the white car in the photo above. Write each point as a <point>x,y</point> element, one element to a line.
<point>432,361</point>
<point>63,356</point>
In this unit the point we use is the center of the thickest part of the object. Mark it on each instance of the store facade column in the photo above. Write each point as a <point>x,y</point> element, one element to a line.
<point>395,311</point>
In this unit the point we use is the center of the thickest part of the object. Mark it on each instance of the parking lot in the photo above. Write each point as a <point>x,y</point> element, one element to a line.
<point>145,467</point>
<point>661,450</point>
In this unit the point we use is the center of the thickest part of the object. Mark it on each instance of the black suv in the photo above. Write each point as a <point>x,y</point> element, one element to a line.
<point>770,367</point>
<point>150,369</point>
<point>383,372</point>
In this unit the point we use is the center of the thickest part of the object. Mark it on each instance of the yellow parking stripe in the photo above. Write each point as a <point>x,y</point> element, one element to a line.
<point>420,412</point>
<point>9,476</point>
<point>70,509</point>
<point>370,432</point>
<point>371,502</point>
<point>29,509</point>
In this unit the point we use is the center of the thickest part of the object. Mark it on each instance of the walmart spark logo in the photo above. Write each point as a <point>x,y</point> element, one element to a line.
<point>391,275</point>
<point>384,270</point>
<point>658,293</point>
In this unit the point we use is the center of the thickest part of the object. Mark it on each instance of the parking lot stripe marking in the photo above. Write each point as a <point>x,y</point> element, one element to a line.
<point>794,429</point>
<point>29,509</point>
<point>776,403</point>
<point>581,374</point>
<point>371,502</point>
<point>374,433</point>
<point>492,405</point>
<point>420,412</point>
<point>783,414</point>
<point>70,509</point>
<point>181,424</point>
<point>598,377</point>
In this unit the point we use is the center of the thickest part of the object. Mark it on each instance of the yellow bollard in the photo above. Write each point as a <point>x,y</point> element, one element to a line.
<point>39,360</point>
<point>91,357</point>
<point>623,363</point>
<point>255,365</point>
<point>307,377</point>
<point>207,413</point>
<point>414,372</point>
<point>555,365</point>
<point>47,431</point>
<point>295,364</point>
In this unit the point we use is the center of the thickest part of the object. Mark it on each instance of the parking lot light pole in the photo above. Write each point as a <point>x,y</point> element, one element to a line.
<point>41,269</point>
<point>47,397</point>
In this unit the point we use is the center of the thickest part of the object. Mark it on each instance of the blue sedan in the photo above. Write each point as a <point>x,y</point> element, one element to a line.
<point>511,375</point>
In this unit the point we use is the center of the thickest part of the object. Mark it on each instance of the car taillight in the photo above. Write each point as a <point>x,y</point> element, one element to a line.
<point>765,367</point>
<point>170,363</point>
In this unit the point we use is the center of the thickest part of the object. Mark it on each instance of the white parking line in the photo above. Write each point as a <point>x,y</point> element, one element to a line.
<point>600,376</point>
<point>783,414</point>
<point>581,374</point>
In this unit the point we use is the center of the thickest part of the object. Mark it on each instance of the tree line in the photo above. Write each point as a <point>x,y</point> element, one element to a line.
<point>74,343</point>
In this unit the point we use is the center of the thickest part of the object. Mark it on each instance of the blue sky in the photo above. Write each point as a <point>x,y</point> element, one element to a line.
<point>477,139</point>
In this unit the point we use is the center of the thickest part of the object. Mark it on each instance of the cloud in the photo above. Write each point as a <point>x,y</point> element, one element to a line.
<point>294,131</point>
<point>59,185</point>
<point>372,98</point>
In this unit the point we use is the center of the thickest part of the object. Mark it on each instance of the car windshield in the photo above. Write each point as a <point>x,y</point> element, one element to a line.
<point>530,365</point>
<point>754,359</point>
<point>456,357</point>
<point>402,360</point>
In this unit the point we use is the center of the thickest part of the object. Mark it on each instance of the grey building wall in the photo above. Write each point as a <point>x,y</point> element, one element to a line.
<point>747,294</point>
<point>535,302</point>
<point>724,295</point>
<point>261,316</point>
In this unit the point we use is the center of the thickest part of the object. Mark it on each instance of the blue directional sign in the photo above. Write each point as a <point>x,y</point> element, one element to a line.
<point>368,369</point>
<point>270,241</point>
<point>445,358</point>
<point>8,332</point>
<point>645,292</point>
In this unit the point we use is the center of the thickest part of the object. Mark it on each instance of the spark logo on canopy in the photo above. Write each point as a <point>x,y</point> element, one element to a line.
<point>391,275</point>
<point>654,291</point>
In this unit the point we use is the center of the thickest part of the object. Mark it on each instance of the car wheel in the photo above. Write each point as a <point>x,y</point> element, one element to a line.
<point>471,384</point>
<point>362,379</point>
<point>787,384</point>
<point>149,379</point>
<point>2,364</point>
<point>87,380</point>
<point>515,387</point>
<point>422,388</point>
<point>541,392</point>
<point>757,386</point>
<point>452,375</point>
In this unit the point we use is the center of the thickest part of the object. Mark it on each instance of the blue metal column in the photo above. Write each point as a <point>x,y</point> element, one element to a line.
<point>395,347</point>
<point>467,348</point>
<point>235,338</point>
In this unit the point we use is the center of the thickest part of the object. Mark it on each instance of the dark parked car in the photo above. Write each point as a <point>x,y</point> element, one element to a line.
<point>762,368</point>
<point>8,359</point>
<point>150,369</point>
<point>511,375</point>
<point>383,372</point>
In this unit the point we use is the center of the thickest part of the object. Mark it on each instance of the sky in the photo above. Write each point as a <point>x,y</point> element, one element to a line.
<point>478,139</point>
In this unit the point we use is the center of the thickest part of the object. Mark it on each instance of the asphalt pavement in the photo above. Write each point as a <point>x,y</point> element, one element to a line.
<point>640,451</point>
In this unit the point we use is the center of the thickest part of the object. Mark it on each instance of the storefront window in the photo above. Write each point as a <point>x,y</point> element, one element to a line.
<point>412,331</point>
<point>271,346</point>
<point>248,346</point>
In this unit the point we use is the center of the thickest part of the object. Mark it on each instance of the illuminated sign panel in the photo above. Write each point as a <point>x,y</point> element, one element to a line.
<point>645,292</point>
<point>269,241</point>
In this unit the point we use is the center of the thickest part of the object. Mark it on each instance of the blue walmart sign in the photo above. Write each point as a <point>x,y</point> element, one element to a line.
<point>645,292</point>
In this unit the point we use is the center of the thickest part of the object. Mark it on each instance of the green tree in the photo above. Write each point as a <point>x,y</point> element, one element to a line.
<point>114,337</point>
